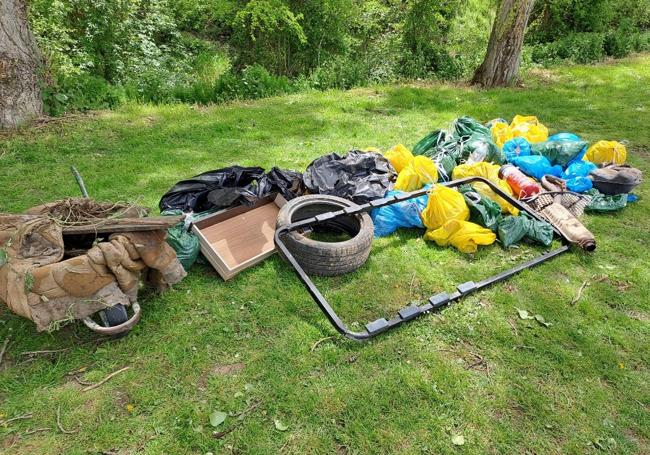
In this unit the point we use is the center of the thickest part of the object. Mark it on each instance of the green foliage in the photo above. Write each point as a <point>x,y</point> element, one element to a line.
<point>80,92</point>
<point>100,52</point>
<point>267,32</point>
<point>554,19</point>
<point>576,47</point>
<point>251,83</point>
<point>620,42</point>
<point>339,73</point>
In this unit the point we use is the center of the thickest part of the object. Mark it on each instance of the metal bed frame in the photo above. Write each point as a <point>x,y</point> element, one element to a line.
<point>410,312</point>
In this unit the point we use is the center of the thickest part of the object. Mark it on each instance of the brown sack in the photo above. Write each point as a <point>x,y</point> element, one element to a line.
<point>36,284</point>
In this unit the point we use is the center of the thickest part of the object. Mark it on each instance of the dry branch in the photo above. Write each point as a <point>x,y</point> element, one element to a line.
<point>58,423</point>
<point>94,386</point>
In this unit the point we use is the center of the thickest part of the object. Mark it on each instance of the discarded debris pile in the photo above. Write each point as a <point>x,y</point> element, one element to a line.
<point>469,186</point>
<point>558,177</point>
<point>72,258</point>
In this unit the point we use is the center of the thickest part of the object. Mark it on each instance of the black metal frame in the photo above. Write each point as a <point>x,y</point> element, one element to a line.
<point>437,301</point>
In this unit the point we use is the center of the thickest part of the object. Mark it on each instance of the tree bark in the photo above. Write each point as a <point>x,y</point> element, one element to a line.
<point>20,64</point>
<point>501,64</point>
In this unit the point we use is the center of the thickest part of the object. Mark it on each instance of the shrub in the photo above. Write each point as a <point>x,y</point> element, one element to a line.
<point>341,73</point>
<point>576,47</point>
<point>620,42</point>
<point>251,83</point>
<point>80,93</point>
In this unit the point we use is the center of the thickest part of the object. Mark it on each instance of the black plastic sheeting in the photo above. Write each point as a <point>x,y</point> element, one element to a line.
<point>288,183</point>
<point>230,186</point>
<point>357,176</point>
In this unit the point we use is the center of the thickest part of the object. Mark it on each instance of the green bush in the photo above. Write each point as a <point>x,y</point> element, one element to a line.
<point>81,92</point>
<point>99,52</point>
<point>620,42</point>
<point>642,42</point>
<point>341,73</point>
<point>576,47</point>
<point>251,83</point>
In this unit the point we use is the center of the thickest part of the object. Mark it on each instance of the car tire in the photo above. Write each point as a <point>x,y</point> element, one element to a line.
<point>323,258</point>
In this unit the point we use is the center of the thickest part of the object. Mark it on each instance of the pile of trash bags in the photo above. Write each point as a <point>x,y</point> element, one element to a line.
<point>519,157</point>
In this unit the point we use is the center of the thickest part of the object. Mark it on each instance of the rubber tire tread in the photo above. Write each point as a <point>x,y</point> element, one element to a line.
<point>327,258</point>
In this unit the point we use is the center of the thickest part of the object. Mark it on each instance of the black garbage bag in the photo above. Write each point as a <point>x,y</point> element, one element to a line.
<point>482,210</point>
<point>213,189</point>
<point>230,186</point>
<point>512,229</point>
<point>357,176</point>
<point>286,182</point>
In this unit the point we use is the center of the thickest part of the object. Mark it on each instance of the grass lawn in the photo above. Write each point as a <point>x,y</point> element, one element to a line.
<point>475,370</point>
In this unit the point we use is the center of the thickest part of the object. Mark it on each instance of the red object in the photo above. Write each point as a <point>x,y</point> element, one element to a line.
<point>522,185</point>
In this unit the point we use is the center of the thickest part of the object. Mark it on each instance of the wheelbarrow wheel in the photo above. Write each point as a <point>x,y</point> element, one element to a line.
<point>114,320</point>
<point>114,315</point>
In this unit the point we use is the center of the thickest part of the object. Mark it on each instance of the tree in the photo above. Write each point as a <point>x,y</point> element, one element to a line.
<point>501,64</point>
<point>20,61</point>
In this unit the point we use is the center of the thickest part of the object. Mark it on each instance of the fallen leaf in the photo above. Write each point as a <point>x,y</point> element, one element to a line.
<point>458,440</point>
<point>280,426</point>
<point>539,318</point>
<point>523,314</point>
<point>217,418</point>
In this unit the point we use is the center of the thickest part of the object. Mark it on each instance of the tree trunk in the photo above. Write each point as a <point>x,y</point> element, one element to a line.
<point>501,64</point>
<point>20,63</point>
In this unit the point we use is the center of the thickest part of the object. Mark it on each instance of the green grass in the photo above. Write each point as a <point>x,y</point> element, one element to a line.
<point>580,385</point>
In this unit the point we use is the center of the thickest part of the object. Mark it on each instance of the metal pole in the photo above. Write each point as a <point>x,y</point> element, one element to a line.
<point>80,181</point>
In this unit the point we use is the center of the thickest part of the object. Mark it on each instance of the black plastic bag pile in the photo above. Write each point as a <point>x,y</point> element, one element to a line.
<point>230,186</point>
<point>357,176</point>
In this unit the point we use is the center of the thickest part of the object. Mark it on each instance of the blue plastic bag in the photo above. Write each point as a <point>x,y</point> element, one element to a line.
<point>565,137</point>
<point>537,166</point>
<point>406,214</point>
<point>579,169</point>
<point>516,147</point>
<point>579,184</point>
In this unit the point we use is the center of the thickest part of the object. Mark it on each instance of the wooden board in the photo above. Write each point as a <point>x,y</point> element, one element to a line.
<point>235,239</point>
<point>244,237</point>
<point>113,225</point>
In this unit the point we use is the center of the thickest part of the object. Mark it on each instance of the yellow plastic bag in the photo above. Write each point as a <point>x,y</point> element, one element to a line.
<point>463,235</point>
<point>399,156</point>
<point>529,127</point>
<point>606,152</point>
<point>501,133</point>
<point>491,172</point>
<point>444,204</point>
<point>420,171</point>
